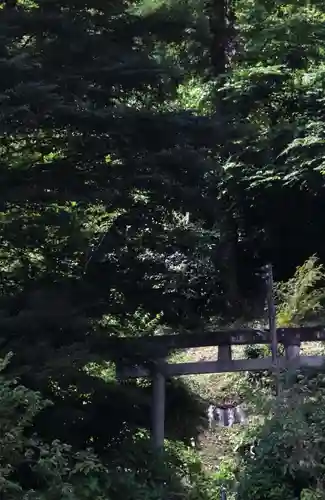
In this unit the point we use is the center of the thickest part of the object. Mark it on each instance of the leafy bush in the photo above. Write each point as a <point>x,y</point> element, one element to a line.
<point>301,296</point>
<point>31,469</point>
<point>289,457</point>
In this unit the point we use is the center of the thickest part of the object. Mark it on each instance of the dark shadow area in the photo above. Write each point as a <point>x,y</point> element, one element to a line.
<point>89,411</point>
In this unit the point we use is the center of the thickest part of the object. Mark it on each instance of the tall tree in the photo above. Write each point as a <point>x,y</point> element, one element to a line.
<point>274,90</point>
<point>97,175</point>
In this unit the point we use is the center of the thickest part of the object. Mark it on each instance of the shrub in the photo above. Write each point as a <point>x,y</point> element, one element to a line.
<point>302,296</point>
<point>289,457</point>
<point>31,469</point>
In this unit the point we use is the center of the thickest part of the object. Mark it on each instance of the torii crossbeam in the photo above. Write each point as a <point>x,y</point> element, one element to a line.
<point>151,353</point>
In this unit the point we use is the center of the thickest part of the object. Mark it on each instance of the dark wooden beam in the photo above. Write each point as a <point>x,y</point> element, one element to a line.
<point>161,345</point>
<point>306,334</point>
<point>158,409</point>
<point>201,367</point>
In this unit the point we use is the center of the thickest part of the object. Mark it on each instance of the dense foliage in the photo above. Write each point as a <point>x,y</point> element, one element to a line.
<point>288,460</point>
<point>153,155</point>
<point>32,469</point>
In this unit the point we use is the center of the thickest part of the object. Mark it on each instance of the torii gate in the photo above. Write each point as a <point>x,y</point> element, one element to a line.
<point>157,348</point>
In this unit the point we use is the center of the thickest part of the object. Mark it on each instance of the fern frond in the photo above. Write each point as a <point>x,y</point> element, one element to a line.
<point>301,296</point>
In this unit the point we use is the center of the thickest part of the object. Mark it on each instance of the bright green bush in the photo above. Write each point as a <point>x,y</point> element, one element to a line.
<point>302,296</point>
<point>289,457</point>
<point>33,470</point>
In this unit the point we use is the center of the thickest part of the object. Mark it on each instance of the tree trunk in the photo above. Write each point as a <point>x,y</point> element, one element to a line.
<point>221,20</point>
<point>219,36</point>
